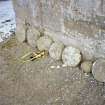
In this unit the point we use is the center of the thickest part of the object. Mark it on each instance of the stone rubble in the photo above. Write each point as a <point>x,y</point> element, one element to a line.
<point>80,23</point>
<point>98,70</point>
<point>71,56</point>
<point>86,66</point>
<point>44,43</point>
<point>55,50</point>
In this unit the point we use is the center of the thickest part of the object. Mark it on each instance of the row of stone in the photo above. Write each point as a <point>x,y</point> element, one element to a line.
<point>72,57</point>
<point>69,55</point>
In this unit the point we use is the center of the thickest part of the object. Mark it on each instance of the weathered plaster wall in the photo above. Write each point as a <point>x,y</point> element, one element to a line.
<point>80,23</point>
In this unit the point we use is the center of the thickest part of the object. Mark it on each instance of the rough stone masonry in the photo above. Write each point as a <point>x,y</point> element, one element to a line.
<point>80,23</point>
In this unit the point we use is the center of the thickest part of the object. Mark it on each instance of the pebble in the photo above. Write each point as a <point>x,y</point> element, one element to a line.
<point>56,50</point>
<point>52,67</point>
<point>44,43</point>
<point>71,56</point>
<point>58,67</point>
<point>64,65</point>
<point>86,66</point>
<point>98,70</point>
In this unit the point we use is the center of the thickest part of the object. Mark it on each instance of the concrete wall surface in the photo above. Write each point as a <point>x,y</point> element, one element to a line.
<point>80,23</point>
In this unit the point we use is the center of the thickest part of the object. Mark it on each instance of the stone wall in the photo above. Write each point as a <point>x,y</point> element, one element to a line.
<point>80,23</point>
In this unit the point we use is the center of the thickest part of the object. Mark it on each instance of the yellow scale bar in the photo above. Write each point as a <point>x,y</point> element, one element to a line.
<point>33,55</point>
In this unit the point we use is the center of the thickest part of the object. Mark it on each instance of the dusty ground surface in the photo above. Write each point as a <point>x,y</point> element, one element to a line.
<point>36,83</point>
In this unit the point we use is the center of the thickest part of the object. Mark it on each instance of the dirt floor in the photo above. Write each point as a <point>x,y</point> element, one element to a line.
<point>36,83</point>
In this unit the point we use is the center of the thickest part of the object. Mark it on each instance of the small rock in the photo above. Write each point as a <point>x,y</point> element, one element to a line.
<point>44,43</point>
<point>58,66</point>
<point>98,70</point>
<point>86,66</point>
<point>63,65</point>
<point>71,56</point>
<point>32,36</point>
<point>55,50</point>
<point>52,67</point>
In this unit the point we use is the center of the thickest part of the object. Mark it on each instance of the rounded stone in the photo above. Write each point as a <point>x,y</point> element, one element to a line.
<point>98,70</point>
<point>71,56</point>
<point>56,50</point>
<point>44,43</point>
<point>32,36</point>
<point>86,66</point>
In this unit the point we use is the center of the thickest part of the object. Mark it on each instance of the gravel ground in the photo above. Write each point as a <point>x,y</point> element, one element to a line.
<point>36,83</point>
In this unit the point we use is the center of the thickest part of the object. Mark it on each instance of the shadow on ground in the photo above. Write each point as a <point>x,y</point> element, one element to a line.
<point>36,83</point>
